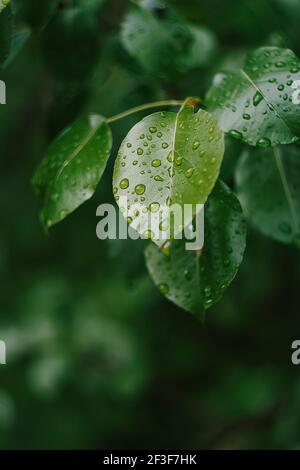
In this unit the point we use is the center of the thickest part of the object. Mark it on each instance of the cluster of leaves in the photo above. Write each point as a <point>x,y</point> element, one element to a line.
<point>85,349</point>
<point>176,156</point>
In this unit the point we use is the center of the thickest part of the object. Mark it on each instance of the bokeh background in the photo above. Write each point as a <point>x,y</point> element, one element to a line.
<point>96,357</point>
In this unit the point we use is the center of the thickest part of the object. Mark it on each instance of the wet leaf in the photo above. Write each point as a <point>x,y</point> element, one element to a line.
<point>196,280</point>
<point>72,167</point>
<point>254,104</point>
<point>268,188</point>
<point>167,158</point>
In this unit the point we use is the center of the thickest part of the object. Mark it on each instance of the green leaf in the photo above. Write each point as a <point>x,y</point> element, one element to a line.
<point>165,47</point>
<point>35,13</point>
<point>5,32</point>
<point>91,5</point>
<point>73,167</point>
<point>196,280</point>
<point>18,40</point>
<point>167,158</point>
<point>254,104</point>
<point>268,188</point>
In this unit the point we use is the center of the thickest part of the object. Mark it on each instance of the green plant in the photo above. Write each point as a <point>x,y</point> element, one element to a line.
<point>176,155</point>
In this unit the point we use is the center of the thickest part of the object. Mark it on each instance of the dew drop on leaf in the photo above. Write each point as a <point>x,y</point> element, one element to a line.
<point>140,189</point>
<point>163,288</point>
<point>195,145</point>
<point>264,142</point>
<point>235,134</point>
<point>124,183</point>
<point>257,98</point>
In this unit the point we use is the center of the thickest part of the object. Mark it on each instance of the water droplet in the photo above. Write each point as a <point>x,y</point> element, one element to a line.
<point>236,134</point>
<point>63,214</point>
<point>152,130</point>
<point>148,234</point>
<point>165,145</point>
<point>124,183</point>
<point>171,157</point>
<point>195,145</point>
<point>156,162</point>
<point>257,98</point>
<point>164,288</point>
<point>140,189</point>
<point>154,207</point>
<point>263,142</point>
<point>140,151</point>
<point>246,116</point>
<point>158,178</point>
<point>189,172</point>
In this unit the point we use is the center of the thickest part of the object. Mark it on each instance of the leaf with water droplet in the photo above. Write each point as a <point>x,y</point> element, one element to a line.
<point>72,167</point>
<point>195,281</point>
<point>254,104</point>
<point>268,188</point>
<point>180,167</point>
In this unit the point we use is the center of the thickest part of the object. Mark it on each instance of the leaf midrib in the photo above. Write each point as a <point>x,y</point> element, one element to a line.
<point>253,84</point>
<point>74,154</point>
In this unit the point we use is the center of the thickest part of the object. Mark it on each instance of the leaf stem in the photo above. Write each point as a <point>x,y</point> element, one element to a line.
<point>142,107</point>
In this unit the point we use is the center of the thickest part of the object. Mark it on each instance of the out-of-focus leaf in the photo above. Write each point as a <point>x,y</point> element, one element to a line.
<point>18,41</point>
<point>72,167</point>
<point>254,104</point>
<point>268,188</point>
<point>167,158</point>
<point>74,33</point>
<point>195,280</point>
<point>91,5</point>
<point>5,33</point>
<point>3,4</point>
<point>165,47</point>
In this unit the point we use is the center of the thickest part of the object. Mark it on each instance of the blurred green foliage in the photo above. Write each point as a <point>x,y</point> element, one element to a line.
<point>96,358</point>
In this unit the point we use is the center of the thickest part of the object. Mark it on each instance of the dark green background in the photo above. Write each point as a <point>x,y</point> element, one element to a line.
<point>96,358</point>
